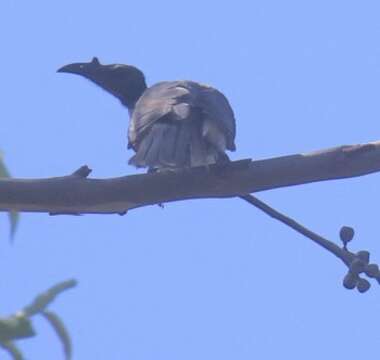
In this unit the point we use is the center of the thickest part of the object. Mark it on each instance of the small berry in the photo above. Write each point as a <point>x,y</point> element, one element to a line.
<point>372,270</point>
<point>363,285</point>
<point>346,234</point>
<point>357,266</point>
<point>350,281</point>
<point>363,256</point>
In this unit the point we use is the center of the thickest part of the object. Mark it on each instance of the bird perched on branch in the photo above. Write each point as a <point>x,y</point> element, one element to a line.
<point>174,124</point>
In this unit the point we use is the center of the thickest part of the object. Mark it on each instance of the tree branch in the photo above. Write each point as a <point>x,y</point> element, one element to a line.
<point>342,254</point>
<point>357,264</point>
<point>76,194</point>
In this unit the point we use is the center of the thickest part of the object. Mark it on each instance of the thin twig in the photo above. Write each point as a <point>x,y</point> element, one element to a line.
<point>358,263</point>
<point>346,256</point>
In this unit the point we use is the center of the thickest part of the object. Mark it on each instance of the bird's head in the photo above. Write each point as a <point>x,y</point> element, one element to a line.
<point>126,82</point>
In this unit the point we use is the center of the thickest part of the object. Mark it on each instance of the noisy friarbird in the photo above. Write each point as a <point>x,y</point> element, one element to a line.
<point>173,124</point>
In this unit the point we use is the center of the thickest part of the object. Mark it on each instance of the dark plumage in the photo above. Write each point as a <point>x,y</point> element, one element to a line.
<point>174,124</point>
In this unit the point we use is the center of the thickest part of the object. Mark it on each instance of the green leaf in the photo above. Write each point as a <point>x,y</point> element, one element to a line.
<point>3,170</point>
<point>13,215</point>
<point>60,329</point>
<point>12,349</point>
<point>15,327</point>
<point>42,300</point>
<point>13,219</point>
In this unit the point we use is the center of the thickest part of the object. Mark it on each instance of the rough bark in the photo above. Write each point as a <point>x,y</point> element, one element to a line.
<point>77,194</point>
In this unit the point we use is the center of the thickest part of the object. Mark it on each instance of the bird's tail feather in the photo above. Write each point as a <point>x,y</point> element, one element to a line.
<point>175,145</point>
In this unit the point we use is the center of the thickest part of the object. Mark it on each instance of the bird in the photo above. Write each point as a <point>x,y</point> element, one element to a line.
<point>173,124</point>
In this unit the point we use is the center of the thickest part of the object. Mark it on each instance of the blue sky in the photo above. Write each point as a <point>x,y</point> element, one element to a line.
<point>206,279</point>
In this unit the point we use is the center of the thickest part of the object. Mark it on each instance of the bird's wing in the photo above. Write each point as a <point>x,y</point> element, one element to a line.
<point>156,103</point>
<point>217,109</point>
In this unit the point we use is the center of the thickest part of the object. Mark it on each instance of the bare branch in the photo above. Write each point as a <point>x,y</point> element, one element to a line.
<point>76,194</point>
<point>345,256</point>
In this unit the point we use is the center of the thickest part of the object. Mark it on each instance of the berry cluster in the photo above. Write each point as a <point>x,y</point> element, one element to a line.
<point>358,264</point>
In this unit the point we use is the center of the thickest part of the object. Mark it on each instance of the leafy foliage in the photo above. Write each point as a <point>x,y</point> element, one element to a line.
<point>19,325</point>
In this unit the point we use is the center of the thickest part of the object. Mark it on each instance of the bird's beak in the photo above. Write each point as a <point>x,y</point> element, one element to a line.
<point>81,68</point>
<point>75,68</point>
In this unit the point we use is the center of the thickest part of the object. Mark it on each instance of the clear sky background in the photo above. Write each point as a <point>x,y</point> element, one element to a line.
<point>205,279</point>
